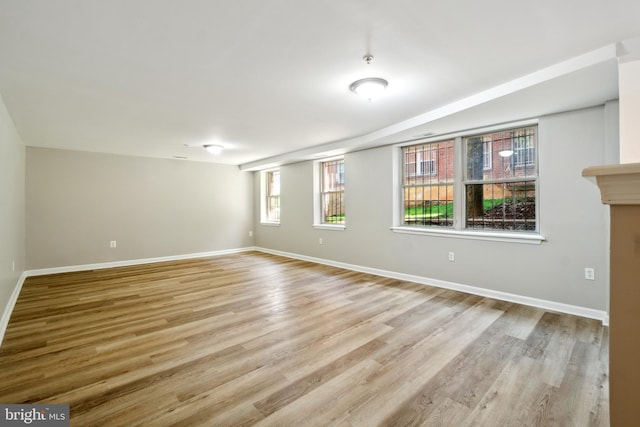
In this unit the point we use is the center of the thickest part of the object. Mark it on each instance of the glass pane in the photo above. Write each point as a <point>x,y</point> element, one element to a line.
<point>333,176</point>
<point>429,205</point>
<point>428,163</point>
<point>274,183</point>
<point>501,206</point>
<point>274,208</point>
<point>502,155</point>
<point>333,204</point>
<point>428,184</point>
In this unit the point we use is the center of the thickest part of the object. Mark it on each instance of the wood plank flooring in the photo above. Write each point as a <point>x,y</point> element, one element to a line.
<point>256,339</point>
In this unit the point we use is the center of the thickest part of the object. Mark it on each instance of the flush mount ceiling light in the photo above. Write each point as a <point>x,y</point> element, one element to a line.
<point>505,153</point>
<point>371,87</point>
<point>213,148</point>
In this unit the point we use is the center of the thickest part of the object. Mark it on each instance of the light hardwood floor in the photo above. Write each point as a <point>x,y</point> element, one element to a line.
<point>253,338</point>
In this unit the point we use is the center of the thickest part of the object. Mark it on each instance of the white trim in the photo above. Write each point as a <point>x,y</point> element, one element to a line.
<point>126,263</point>
<point>6,315</point>
<point>317,215</point>
<point>590,313</point>
<point>334,227</point>
<point>528,238</point>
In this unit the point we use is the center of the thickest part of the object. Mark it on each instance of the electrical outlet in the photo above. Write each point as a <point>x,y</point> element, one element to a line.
<point>13,265</point>
<point>251,233</point>
<point>320,241</point>
<point>113,244</point>
<point>589,274</point>
<point>452,256</point>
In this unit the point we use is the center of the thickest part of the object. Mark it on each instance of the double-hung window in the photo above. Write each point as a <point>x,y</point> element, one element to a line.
<point>503,197</point>
<point>486,181</point>
<point>331,195</point>
<point>271,197</point>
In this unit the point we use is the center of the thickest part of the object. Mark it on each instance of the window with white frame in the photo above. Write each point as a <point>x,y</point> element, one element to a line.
<point>495,190</point>
<point>332,192</point>
<point>505,197</point>
<point>271,197</point>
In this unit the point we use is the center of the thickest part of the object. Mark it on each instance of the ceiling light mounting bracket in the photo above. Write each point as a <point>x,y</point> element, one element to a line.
<point>370,87</point>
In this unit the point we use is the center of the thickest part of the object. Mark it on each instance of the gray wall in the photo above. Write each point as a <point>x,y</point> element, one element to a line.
<point>572,220</point>
<point>12,207</point>
<point>78,202</point>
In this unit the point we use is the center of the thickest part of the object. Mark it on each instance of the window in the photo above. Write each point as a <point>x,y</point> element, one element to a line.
<point>332,192</point>
<point>495,190</point>
<point>428,184</point>
<point>271,199</point>
<point>503,198</point>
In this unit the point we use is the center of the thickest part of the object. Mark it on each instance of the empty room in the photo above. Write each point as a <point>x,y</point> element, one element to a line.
<point>285,213</point>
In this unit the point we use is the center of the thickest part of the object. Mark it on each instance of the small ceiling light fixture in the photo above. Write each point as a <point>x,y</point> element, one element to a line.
<point>505,153</point>
<point>371,87</point>
<point>214,148</point>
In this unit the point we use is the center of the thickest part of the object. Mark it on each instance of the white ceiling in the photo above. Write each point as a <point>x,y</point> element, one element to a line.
<point>268,79</point>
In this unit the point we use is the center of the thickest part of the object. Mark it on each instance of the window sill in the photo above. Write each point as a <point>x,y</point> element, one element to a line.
<point>526,238</point>
<point>335,227</point>
<point>270,224</point>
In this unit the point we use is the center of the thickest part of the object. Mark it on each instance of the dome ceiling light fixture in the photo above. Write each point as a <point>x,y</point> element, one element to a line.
<point>369,88</point>
<point>214,148</point>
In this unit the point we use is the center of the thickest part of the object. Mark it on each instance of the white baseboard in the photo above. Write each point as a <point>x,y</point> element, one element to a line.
<point>590,313</point>
<point>6,315</point>
<point>126,263</point>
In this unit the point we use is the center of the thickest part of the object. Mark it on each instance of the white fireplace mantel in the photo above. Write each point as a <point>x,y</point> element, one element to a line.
<point>619,184</point>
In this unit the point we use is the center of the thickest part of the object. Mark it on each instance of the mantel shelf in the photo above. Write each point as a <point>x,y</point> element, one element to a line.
<point>619,184</point>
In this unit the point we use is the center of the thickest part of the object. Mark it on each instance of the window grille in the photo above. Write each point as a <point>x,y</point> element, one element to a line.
<point>332,191</point>
<point>273,196</point>
<point>428,184</point>
<point>503,197</point>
